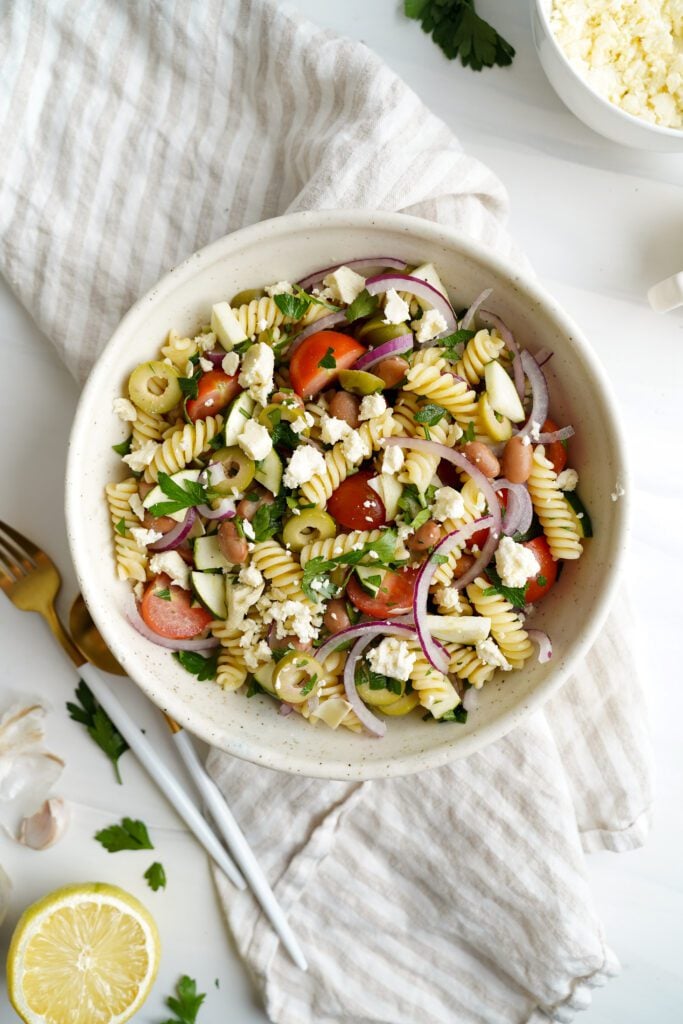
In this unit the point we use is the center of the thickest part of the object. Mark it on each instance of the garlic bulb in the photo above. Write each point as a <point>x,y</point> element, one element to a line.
<point>46,826</point>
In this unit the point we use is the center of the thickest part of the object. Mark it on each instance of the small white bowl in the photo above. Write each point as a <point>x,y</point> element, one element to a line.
<point>591,108</point>
<point>288,248</point>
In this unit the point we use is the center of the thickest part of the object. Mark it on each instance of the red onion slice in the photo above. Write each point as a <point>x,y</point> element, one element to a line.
<point>539,394</point>
<point>323,324</point>
<point>489,319</point>
<point>215,357</point>
<point>175,537</point>
<point>395,347</point>
<point>370,629</point>
<point>543,356</point>
<point>563,434</point>
<point>418,287</point>
<point>361,265</point>
<point>519,511</point>
<point>373,724</point>
<point>136,620</point>
<point>469,316</point>
<point>226,510</point>
<point>545,647</point>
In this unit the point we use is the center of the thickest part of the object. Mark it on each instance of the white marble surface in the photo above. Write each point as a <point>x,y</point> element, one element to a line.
<point>600,224</point>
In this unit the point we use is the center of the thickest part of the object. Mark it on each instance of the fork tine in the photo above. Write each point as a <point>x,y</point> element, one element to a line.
<point>23,543</point>
<point>19,561</point>
<point>9,571</point>
<point>7,579</point>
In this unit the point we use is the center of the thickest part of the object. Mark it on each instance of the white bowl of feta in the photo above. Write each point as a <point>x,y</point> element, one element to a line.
<point>289,248</point>
<point>618,67</point>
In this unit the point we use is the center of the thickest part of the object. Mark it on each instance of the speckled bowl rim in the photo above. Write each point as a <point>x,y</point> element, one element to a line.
<point>269,756</point>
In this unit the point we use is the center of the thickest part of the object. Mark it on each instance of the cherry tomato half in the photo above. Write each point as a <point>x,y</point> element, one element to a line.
<point>355,505</point>
<point>548,571</point>
<point>214,391</point>
<point>555,451</point>
<point>308,377</point>
<point>172,617</point>
<point>395,596</point>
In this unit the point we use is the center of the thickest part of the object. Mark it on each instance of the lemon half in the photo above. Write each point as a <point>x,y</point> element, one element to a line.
<point>85,954</point>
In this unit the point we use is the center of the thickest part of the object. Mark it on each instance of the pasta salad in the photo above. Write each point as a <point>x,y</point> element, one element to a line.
<point>343,495</point>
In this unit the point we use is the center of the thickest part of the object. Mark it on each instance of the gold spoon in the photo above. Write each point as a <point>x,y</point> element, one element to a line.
<point>87,638</point>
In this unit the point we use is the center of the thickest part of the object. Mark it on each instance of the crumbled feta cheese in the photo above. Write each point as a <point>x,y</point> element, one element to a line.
<point>515,563</point>
<point>248,530</point>
<point>257,372</point>
<point>526,440</point>
<point>170,563</point>
<point>567,480</point>
<point>393,658</point>
<point>256,655</point>
<point>617,493</point>
<point>333,429</point>
<point>491,654</point>
<point>143,537</point>
<point>208,403</point>
<point>125,410</point>
<point>449,599</point>
<point>205,342</point>
<point>255,441</point>
<point>136,506</point>
<point>355,448</point>
<point>206,364</point>
<point>230,364</point>
<point>300,423</point>
<point>431,324</point>
<point>371,406</point>
<point>344,284</point>
<point>141,457</point>
<point>448,504</point>
<point>281,288</point>
<point>294,617</point>
<point>306,462</point>
<point>534,430</point>
<point>250,576</point>
<point>396,309</point>
<point>262,325</point>
<point>393,459</point>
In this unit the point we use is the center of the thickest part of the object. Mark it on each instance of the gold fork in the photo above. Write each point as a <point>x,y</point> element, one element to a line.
<point>31,580</point>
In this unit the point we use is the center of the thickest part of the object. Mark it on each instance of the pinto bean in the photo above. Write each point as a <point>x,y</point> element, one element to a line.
<point>163,524</point>
<point>336,616</point>
<point>483,458</point>
<point>392,370</point>
<point>517,459</point>
<point>426,537</point>
<point>233,547</point>
<point>344,406</point>
<point>463,565</point>
<point>248,508</point>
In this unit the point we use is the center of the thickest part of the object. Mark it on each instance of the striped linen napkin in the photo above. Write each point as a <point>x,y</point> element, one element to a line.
<point>136,133</point>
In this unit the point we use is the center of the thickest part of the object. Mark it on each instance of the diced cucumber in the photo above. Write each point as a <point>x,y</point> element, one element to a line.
<point>427,272</point>
<point>581,517</point>
<point>370,578</point>
<point>226,326</point>
<point>460,629</point>
<point>209,589</point>
<point>156,495</point>
<point>239,412</point>
<point>208,556</point>
<point>269,472</point>
<point>502,393</point>
<point>264,676</point>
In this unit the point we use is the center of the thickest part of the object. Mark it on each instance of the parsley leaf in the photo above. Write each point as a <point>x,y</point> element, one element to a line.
<point>421,518</point>
<point>430,414</point>
<point>328,362</point>
<point>200,666</point>
<point>363,305</point>
<point>99,725</point>
<point>458,30</point>
<point>121,527</point>
<point>542,581</point>
<point>455,715</point>
<point>293,306</point>
<point>316,583</point>
<point>460,337</point>
<point>468,433</point>
<point>129,835</point>
<point>266,521</point>
<point>156,876</point>
<point>515,595</point>
<point>187,1005</point>
<point>307,687</point>
<point>255,688</point>
<point>282,434</point>
<point>164,595</point>
<point>187,496</point>
<point>439,559</point>
<point>190,385</point>
<point>375,681</point>
<point>124,447</point>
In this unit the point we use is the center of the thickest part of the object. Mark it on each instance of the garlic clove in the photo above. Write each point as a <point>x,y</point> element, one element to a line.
<point>46,826</point>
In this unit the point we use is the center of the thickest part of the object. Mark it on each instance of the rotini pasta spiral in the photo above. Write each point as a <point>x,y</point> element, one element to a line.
<point>506,626</point>
<point>552,509</point>
<point>419,467</point>
<point>466,664</point>
<point>131,559</point>
<point>183,446</point>
<point>258,315</point>
<point>148,427</point>
<point>316,409</point>
<point>279,567</point>
<point>435,691</point>
<point>430,379</point>
<point>232,671</point>
<point>179,350</point>
<point>319,488</point>
<point>483,348</point>
<point>340,545</point>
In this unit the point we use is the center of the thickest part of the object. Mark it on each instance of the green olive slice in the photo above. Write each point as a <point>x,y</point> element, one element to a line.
<point>154,387</point>
<point>297,677</point>
<point>288,410</point>
<point>246,295</point>
<point>312,524</point>
<point>375,332</point>
<point>379,698</point>
<point>238,467</point>
<point>360,382</point>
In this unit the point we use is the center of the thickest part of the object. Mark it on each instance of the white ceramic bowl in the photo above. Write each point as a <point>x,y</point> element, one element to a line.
<point>288,248</point>
<point>591,108</point>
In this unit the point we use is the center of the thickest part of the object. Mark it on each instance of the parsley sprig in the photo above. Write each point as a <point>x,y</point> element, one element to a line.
<point>200,666</point>
<point>296,304</point>
<point>187,1004</point>
<point>515,595</point>
<point>457,29</point>
<point>363,305</point>
<point>268,518</point>
<point>156,876</point>
<point>379,553</point>
<point>131,834</point>
<point>99,725</point>
<point>189,494</point>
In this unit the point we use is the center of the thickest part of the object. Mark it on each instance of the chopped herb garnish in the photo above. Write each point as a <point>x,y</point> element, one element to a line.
<point>254,688</point>
<point>421,518</point>
<point>190,385</point>
<point>217,442</point>
<point>156,876</point>
<point>439,559</point>
<point>121,527</point>
<point>307,687</point>
<point>455,715</point>
<point>542,581</point>
<point>316,570</point>
<point>363,305</point>
<point>293,306</point>
<point>452,341</point>
<point>458,31</point>
<point>468,433</point>
<point>282,434</point>
<point>124,447</point>
<point>99,725</point>
<point>200,666</point>
<point>129,835</point>
<point>430,414</point>
<point>515,595</point>
<point>328,362</point>
<point>376,681</point>
<point>187,1005</point>
<point>267,519</point>
<point>164,594</point>
<point>189,495</point>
